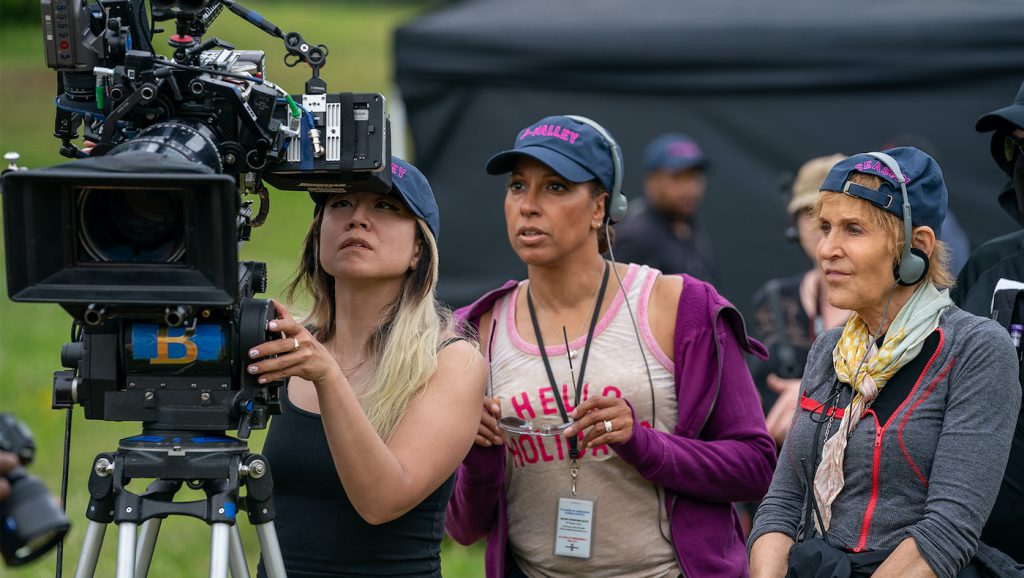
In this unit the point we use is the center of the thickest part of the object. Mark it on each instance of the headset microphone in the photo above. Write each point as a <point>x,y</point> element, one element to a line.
<point>913,265</point>
<point>617,202</point>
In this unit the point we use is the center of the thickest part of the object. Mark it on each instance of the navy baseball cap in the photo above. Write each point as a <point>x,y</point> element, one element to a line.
<point>1009,117</point>
<point>674,152</point>
<point>926,189</point>
<point>408,184</point>
<point>573,149</point>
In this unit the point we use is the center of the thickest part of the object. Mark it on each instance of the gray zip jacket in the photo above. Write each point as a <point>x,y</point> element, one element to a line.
<point>931,471</point>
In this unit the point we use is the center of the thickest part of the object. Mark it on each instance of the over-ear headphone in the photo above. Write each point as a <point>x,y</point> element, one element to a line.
<point>913,265</point>
<point>617,202</point>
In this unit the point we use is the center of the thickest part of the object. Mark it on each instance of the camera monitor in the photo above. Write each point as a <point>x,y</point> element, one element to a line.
<point>84,237</point>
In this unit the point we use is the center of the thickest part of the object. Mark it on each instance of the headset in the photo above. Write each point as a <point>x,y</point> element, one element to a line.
<point>913,264</point>
<point>618,204</point>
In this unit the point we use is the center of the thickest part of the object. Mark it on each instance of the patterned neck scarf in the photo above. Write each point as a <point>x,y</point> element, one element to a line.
<point>868,375</point>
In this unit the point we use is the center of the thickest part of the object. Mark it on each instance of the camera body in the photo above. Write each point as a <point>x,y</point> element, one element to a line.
<point>138,237</point>
<point>112,79</point>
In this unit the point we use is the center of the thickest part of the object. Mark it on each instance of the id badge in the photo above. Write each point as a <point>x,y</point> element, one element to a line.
<point>574,527</point>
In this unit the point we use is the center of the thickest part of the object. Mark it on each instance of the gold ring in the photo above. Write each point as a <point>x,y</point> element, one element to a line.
<point>296,340</point>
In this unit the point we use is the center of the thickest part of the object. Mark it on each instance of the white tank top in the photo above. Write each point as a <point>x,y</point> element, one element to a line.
<point>630,523</point>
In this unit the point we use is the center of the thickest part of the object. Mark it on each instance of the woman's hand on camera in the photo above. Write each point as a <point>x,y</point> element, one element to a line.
<point>607,420</point>
<point>489,433</point>
<point>298,353</point>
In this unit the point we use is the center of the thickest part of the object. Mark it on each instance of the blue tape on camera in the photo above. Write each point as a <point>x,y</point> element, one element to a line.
<point>160,344</point>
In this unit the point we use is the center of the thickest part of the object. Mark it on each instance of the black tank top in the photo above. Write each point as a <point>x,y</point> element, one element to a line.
<point>320,532</point>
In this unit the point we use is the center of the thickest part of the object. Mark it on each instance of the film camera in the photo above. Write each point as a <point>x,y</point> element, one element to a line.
<point>138,237</point>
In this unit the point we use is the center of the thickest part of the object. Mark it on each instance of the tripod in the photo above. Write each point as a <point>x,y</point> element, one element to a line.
<point>215,463</point>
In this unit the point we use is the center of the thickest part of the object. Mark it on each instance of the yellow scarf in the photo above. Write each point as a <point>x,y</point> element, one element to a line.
<point>867,368</point>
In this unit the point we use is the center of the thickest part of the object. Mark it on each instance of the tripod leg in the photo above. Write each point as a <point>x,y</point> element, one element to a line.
<point>219,548</point>
<point>147,542</point>
<point>90,550</point>
<point>236,557</point>
<point>271,550</point>
<point>126,549</point>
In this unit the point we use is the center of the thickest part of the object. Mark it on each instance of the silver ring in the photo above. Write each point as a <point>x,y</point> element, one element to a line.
<point>607,426</point>
<point>296,340</point>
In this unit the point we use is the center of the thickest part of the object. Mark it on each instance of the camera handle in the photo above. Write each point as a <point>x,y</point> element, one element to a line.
<point>315,55</point>
<point>173,459</point>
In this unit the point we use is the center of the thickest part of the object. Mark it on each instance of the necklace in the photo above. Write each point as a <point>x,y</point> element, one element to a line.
<point>347,370</point>
<point>573,353</point>
<point>337,359</point>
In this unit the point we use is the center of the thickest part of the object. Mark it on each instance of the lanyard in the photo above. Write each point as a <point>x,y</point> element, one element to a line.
<point>573,450</point>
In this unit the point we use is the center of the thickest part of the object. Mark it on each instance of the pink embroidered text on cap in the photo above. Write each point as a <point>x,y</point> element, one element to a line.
<point>878,168</point>
<point>551,130</point>
<point>684,149</point>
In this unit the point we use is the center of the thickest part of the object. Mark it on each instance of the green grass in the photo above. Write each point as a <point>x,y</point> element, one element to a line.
<point>359,37</point>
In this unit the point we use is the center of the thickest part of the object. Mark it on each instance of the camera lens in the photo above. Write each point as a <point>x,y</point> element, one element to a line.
<point>30,521</point>
<point>132,225</point>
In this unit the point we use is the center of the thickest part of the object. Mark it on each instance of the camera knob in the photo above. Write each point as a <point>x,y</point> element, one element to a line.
<point>259,277</point>
<point>65,390</point>
<point>71,354</point>
<point>12,161</point>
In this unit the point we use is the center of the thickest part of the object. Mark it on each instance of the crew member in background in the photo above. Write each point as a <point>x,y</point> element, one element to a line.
<point>1002,260</point>
<point>662,230</point>
<point>791,312</point>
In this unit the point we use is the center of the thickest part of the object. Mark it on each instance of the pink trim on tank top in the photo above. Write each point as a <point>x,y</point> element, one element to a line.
<point>552,350</point>
<point>643,321</point>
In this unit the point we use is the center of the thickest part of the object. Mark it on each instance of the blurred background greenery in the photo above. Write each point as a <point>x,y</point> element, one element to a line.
<point>359,36</point>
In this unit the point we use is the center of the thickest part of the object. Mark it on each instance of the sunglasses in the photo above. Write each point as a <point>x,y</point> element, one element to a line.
<point>1012,147</point>
<point>521,426</point>
<point>516,425</point>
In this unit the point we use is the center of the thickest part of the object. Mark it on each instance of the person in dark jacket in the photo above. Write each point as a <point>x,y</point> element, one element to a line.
<point>656,423</point>
<point>1002,258</point>
<point>662,230</point>
<point>906,413</point>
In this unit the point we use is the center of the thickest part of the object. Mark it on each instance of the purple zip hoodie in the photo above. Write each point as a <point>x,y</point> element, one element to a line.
<point>720,451</point>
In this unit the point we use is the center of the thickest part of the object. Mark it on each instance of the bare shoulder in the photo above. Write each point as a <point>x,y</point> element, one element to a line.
<point>460,364</point>
<point>663,308</point>
<point>665,294</point>
<point>484,329</point>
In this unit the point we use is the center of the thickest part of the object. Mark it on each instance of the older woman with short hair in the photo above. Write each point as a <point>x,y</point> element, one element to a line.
<point>903,426</point>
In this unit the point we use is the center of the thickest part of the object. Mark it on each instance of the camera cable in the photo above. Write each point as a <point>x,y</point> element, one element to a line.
<point>76,335</point>
<point>64,487</point>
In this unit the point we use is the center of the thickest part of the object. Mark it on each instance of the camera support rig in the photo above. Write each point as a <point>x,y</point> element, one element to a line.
<point>216,464</point>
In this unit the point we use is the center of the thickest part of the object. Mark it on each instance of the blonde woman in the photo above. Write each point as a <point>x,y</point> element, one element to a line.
<point>903,425</point>
<point>382,401</point>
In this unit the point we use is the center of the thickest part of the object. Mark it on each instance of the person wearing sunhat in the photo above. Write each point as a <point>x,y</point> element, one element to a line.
<point>662,230</point>
<point>903,426</point>
<point>999,259</point>
<point>790,312</point>
<point>382,400</point>
<point>608,448</point>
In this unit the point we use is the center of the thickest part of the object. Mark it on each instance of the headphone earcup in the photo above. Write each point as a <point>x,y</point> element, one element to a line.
<point>618,205</point>
<point>912,268</point>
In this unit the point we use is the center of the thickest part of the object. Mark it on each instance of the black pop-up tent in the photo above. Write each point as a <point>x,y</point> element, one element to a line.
<point>762,86</point>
